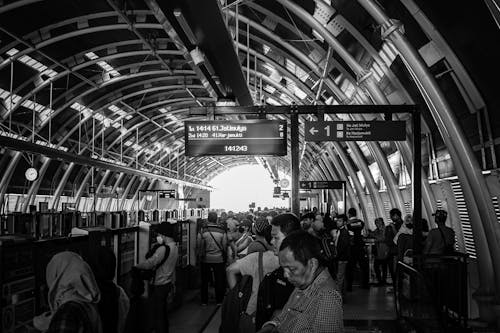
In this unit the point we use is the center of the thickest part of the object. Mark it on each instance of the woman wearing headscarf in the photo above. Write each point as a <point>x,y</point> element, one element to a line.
<point>114,304</point>
<point>73,297</point>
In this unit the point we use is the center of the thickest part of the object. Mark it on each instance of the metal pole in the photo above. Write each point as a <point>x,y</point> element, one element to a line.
<point>50,113</point>
<point>11,92</point>
<point>417,183</point>
<point>294,137</point>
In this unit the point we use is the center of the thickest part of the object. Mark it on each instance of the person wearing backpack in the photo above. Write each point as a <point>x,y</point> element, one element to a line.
<point>256,265</point>
<point>275,289</point>
<point>161,260</point>
<point>440,240</point>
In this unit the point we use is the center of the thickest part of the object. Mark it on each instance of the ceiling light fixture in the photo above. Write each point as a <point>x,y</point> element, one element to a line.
<point>185,26</point>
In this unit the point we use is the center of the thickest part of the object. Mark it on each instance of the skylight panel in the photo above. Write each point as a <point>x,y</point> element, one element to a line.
<point>103,64</point>
<point>12,52</point>
<point>33,63</point>
<point>269,89</point>
<point>286,99</point>
<point>266,48</point>
<point>120,112</point>
<point>272,101</point>
<point>91,55</point>
<point>299,93</point>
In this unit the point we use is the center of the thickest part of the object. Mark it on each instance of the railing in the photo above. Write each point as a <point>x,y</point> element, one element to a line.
<point>432,295</point>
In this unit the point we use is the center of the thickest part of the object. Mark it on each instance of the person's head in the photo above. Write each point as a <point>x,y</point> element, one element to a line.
<point>165,232</point>
<point>70,278</point>
<point>281,226</point>
<point>341,220</point>
<point>300,257</point>
<point>212,217</point>
<point>315,210</point>
<point>103,264</point>
<point>379,222</point>
<point>440,216</point>
<point>259,226</point>
<point>352,212</point>
<point>395,214</point>
<point>245,226</point>
<point>307,220</point>
<point>318,223</point>
<point>230,214</point>
<point>408,221</point>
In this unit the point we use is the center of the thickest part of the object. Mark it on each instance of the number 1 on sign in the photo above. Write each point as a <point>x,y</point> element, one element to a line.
<point>327,129</point>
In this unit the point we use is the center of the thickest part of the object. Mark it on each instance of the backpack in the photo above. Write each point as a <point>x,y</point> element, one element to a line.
<point>235,303</point>
<point>149,274</point>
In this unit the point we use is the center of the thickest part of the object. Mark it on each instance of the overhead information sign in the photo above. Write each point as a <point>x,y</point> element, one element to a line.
<point>355,131</point>
<point>321,184</point>
<point>238,137</point>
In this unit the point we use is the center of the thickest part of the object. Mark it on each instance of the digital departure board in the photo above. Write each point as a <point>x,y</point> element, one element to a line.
<point>238,137</point>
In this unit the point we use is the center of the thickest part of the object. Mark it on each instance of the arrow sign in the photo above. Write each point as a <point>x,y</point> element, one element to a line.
<point>355,131</point>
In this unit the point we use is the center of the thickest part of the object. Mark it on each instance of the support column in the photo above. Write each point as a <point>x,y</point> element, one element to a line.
<point>295,152</point>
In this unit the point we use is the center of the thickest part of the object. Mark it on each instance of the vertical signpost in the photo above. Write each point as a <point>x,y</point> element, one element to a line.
<point>294,136</point>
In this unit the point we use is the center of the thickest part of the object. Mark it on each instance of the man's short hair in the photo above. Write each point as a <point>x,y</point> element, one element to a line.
<point>303,245</point>
<point>212,217</point>
<point>308,216</point>
<point>287,222</point>
<point>352,211</point>
<point>395,211</point>
<point>343,217</point>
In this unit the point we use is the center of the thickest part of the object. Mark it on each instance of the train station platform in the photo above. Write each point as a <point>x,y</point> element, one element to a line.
<point>365,310</point>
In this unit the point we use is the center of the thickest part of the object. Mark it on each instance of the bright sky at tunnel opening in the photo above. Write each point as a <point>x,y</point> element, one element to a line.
<point>238,187</point>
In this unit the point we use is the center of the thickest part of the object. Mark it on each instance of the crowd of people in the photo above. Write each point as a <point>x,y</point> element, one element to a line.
<point>283,273</point>
<point>302,267</point>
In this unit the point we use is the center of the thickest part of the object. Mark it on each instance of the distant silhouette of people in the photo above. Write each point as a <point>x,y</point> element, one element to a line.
<point>440,240</point>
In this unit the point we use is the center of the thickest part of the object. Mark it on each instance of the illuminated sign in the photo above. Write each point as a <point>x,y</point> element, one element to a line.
<point>321,184</point>
<point>239,137</point>
<point>355,131</point>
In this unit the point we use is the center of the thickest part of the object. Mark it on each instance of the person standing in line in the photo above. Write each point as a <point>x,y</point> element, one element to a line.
<point>262,231</point>
<point>163,260</point>
<point>275,289</point>
<point>358,253</point>
<point>315,304</point>
<point>343,245</point>
<point>73,296</point>
<point>381,252</point>
<point>249,265</point>
<point>114,303</point>
<point>390,232</point>
<point>440,240</point>
<point>306,222</point>
<point>212,244</point>
<point>404,240</point>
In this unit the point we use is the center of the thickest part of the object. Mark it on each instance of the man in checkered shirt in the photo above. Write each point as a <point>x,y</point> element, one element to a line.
<point>315,305</point>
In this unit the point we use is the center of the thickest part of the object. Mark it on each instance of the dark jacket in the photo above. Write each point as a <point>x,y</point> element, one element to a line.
<point>344,245</point>
<point>390,233</point>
